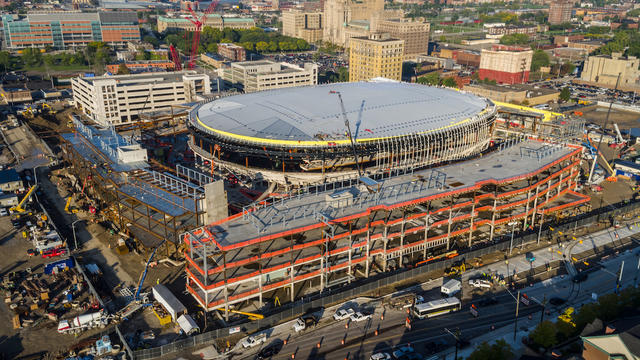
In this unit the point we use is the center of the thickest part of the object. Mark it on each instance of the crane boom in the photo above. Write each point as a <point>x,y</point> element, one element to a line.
<point>144,273</point>
<point>346,123</point>
<point>18,207</point>
<point>199,23</point>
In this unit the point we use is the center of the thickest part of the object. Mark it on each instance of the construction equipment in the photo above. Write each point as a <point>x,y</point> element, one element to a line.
<point>458,268</point>
<point>67,205</point>
<point>619,137</point>
<point>175,58</point>
<point>45,105</point>
<point>196,35</point>
<point>346,124</point>
<point>18,208</point>
<point>251,316</point>
<point>83,322</point>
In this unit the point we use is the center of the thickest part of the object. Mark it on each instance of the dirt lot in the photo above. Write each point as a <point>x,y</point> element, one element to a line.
<point>624,119</point>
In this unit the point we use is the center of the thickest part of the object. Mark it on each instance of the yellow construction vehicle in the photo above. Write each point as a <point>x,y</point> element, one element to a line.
<point>458,268</point>
<point>45,105</point>
<point>251,316</point>
<point>67,207</point>
<point>18,208</point>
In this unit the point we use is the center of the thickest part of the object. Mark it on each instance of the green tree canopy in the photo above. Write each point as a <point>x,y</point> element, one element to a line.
<point>514,39</point>
<point>450,82</point>
<point>565,94</point>
<point>501,350</point>
<point>432,78</point>
<point>123,69</point>
<point>545,334</point>
<point>539,59</point>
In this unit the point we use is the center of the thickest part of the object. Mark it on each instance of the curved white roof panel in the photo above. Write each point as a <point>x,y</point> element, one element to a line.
<point>374,109</point>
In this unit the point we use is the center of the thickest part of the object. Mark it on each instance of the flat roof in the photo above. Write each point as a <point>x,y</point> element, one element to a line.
<point>375,110</point>
<point>306,210</point>
<point>133,79</point>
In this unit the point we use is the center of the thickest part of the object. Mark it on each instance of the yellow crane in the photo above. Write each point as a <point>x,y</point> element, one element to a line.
<point>18,208</point>
<point>251,316</point>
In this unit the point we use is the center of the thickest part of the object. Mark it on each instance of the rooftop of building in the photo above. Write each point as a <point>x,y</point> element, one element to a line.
<point>626,344</point>
<point>210,16</point>
<point>375,110</point>
<point>516,87</point>
<point>133,79</point>
<point>105,17</point>
<point>309,210</point>
<point>9,175</point>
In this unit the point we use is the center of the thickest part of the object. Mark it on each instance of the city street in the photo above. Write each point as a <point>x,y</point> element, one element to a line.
<point>360,340</point>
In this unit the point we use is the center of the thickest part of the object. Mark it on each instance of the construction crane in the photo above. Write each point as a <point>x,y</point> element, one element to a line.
<point>136,297</point>
<point>175,58</point>
<point>196,35</point>
<point>251,316</point>
<point>346,124</point>
<point>18,208</point>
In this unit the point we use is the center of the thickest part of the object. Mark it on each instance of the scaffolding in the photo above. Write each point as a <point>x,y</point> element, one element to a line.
<point>314,240</point>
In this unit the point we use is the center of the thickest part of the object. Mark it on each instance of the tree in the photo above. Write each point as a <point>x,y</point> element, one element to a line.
<point>539,59</point>
<point>545,334</point>
<point>273,46</point>
<point>565,94</point>
<point>262,46</point>
<point>501,350</point>
<point>31,57</point>
<point>513,39</point>
<point>5,60</point>
<point>151,40</point>
<point>343,74</point>
<point>123,69</point>
<point>432,78</point>
<point>450,82</point>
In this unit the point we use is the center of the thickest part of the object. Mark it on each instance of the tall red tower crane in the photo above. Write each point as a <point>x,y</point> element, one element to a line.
<point>196,35</point>
<point>175,58</point>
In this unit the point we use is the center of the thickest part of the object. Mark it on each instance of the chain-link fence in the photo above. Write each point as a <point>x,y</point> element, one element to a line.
<point>293,310</point>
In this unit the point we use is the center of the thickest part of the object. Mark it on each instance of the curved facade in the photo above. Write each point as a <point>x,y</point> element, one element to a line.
<point>302,130</point>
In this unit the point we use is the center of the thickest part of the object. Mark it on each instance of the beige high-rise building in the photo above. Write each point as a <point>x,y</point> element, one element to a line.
<point>603,70</point>
<point>339,13</point>
<point>414,33</point>
<point>303,25</point>
<point>560,11</point>
<point>377,55</point>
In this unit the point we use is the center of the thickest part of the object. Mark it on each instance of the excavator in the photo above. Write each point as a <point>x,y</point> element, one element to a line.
<point>457,268</point>
<point>18,208</point>
<point>251,316</point>
<point>68,206</point>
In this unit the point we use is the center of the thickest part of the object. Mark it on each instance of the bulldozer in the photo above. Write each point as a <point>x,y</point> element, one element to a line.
<point>457,268</point>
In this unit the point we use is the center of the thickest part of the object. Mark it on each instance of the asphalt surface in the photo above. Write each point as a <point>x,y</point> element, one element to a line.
<point>428,335</point>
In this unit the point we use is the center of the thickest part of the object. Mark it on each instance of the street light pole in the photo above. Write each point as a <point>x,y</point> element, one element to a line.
<point>73,227</point>
<point>515,321</point>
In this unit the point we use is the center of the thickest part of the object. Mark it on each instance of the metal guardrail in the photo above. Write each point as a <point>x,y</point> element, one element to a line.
<point>345,292</point>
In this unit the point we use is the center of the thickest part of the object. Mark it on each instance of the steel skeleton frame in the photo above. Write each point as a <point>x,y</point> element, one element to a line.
<point>340,248</point>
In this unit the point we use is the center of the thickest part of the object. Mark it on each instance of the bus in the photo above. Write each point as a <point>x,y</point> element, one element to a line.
<point>436,307</point>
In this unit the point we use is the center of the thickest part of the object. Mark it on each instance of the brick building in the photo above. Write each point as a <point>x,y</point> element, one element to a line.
<point>506,64</point>
<point>232,52</point>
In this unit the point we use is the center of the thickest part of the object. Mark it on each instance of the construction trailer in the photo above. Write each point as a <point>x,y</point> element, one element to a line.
<point>147,204</point>
<point>315,240</point>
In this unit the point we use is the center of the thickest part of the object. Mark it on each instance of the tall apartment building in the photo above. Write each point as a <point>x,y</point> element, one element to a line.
<point>603,70</point>
<point>303,25</point>
<point>505,64</point>
<point>560,11</point>
<point>213,20</point>
<point>377,55</point>
<point>414,33</point>
<point>232,52</point>
<point>252,76</point>
<point>67,30</point>
<point>120,99</point>
<point>339,13</point>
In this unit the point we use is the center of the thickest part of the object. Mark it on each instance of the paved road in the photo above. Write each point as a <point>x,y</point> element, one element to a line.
<point>360,338</point>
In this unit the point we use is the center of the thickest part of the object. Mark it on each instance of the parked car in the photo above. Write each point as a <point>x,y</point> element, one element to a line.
<point>255,340</point>
<point>342,314</point>
<point>557,301</point>
<point>357,317</point>
<point>49,253</point>
<point>269,350</point>
<point>380,356</point>
<point>32,252</point>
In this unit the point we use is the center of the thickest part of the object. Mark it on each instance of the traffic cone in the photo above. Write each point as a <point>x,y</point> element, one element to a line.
<point>346,326</point>
<point>342,342</point>
<point>318,345</point>
<point>376,333</point>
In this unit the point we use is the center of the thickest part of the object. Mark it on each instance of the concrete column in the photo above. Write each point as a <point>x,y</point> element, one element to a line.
<point>526,211</point>
<point>426,233</point>
<point>559,188</point>
<point>260,289</point>
<point>350,250</point>
<point>473,210</point>
<point>449,224</point>
<point>493,219</point>
<point>384,250</point>
<point>535,206</point>
<point>368,261</point>
<point>291,286</point>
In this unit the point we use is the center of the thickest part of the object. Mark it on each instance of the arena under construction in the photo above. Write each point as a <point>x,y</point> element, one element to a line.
<point>437,185</point>
<point>300,136</point>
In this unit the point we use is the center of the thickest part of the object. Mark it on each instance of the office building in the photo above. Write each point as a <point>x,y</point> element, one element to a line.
<point>603,70</point>
<point>141,66</point>
<point>377,55</point>
<point>252,76</point>
<point>68,30</point>
<point>213,20</point>
<point>414,33</point>
<point>303,25</point>
<point>505,64</point>
<point>339,14</point>
<point>612,345</point>
<point>517,93</point>
<point>560,11</point>
<point>120,99</point>
<point>232,52</point>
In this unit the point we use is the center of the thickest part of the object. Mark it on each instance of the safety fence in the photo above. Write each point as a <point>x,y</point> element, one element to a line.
<point>350,291</point>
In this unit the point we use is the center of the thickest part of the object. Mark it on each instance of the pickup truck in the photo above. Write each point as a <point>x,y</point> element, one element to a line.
<point>304,322</point>
<point>254,340</point>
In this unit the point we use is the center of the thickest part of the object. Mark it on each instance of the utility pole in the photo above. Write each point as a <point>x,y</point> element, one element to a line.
<point>619,280</point>
<point>456,336</point>
<point>544,307</point>
<point>635,280</point>
<point>515,320</point>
